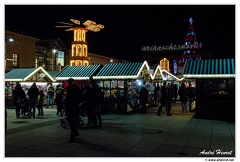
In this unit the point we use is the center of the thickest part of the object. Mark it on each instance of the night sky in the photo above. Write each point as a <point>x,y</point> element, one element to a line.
<point>130,27</point>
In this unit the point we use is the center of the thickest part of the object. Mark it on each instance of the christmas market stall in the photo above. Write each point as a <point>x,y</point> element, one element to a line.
<point>215,87</point>
<point>162,75</point>
<point>121,83</point>
<point>26,77</point>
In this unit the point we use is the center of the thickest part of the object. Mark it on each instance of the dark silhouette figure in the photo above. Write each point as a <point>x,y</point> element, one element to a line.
<point>40,103</point>
<point>163,99</point>
<point>175,90</point>
<point>183,93</point>
<point>156,94</point>
<point>169,93</point>
<point>86,105</point>
<point>73,98</point>
<point>143,96</point>
<point>95,98</point>
<point>18,98</point>
<point>59,99</point>
<point>191,97</point>
<point>33,93</point>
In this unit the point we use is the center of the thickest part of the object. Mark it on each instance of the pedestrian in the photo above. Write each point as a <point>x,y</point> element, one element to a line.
<point>95,98</point>
<point>59,99</point>
<point>170,93</point>
<point>183,93</point>
<point>40,103</point>
<point>73,98</point>
<point>50,95</point>
<point>143,96</point>
<point>18,98</point>
<point>191,97</point>
<point>175,90</point>
<point>156,89</point>
<point>33,93</point>
<point>163,98</point>
<point>86,105</point>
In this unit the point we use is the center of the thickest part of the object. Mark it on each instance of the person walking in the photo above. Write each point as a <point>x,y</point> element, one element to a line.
<point>95,98</point>
<point>50,95</point>
<point>59,99</point>
<point>18,98</point>
<point>191,97</point>
<point>143,96</point>
<point>183,93</point>
<point>156,89</point>
<point>163,97</point>
<point>170,93</point>
<point>73,98</point>
<point>33,93</point>
<point>175,90</point>
<point>86,105</point>
<point>40,103</point>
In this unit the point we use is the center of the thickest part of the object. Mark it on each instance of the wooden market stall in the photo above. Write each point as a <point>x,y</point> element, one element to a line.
<point>26,77</point>
<point>121,83</point>
<point>215,87</point>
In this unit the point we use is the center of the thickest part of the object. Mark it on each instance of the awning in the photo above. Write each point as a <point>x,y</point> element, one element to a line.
<point>134,70</point>
<point>78,72</point>
<point>157,72</point>
<point>164,75</point>
<point>215,68</point>
<point>53,74</point>
<point>28,75</point>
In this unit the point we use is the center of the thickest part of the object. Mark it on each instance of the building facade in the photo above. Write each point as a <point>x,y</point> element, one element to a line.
<point>29,52</point>
<point>20,52</point>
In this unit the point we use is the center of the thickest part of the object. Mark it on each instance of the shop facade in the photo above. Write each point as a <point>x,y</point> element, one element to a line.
<point>26,77</point>
<point>215,87</point>
<point>121,83</point>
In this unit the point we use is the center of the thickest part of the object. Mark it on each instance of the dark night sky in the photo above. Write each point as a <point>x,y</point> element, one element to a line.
<point>129,27</point>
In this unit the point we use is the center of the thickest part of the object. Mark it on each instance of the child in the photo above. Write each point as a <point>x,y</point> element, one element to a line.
<point>40,103</point>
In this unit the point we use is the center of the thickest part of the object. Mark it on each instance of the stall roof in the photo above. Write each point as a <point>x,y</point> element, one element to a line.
<point>78,72</point>
<point>157,75</point>
<point>160,74</point>
<point>53,74</point>
<point>28,74</point>
<point>130,70</point>
<point>214,68</point>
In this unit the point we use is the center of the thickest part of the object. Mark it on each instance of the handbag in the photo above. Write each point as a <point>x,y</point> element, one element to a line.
<point>193,104</point>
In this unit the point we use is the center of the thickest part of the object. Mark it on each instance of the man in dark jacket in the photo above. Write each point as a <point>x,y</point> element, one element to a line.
<point>163,99</point>
<point>170,95</point>
<point>95,99</point>
<point>18,98</point>
<point>59,100</point>
<point>191,97</point>
<point>33,93</point>
<point>73,98</point>
<point>143,96</point>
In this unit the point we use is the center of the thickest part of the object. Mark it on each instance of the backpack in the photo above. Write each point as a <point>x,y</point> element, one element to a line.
<point>59,94</point>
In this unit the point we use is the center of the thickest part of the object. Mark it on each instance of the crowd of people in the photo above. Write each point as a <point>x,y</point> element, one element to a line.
<point>67,104</point>
<point>167,94</point>
<point>91,98</point>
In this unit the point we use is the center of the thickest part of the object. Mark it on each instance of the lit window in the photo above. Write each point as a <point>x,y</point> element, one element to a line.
<point>15,59</point>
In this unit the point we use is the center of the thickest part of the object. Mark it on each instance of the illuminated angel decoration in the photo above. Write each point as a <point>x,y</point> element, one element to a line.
<point>89,25</point>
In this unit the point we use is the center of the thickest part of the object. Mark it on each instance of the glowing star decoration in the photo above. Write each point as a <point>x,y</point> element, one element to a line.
<point>191,20</point>
<point>222,85</point>
<point>89,25</point>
